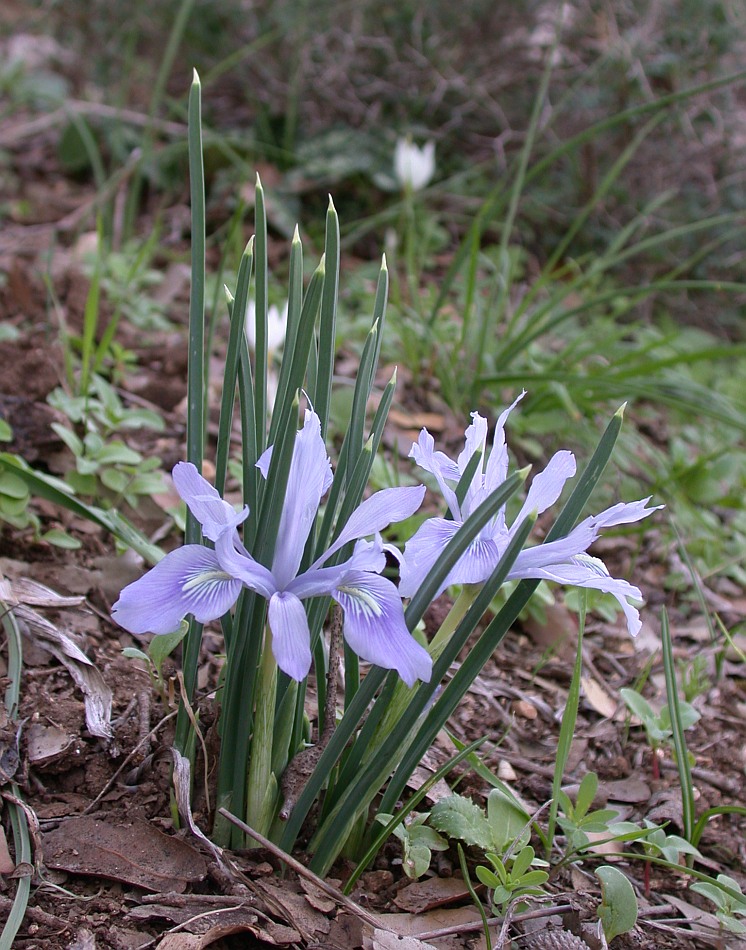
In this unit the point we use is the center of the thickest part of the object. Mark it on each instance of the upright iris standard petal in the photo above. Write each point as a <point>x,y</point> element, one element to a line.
<point>564,560</point>
<point>309,479</point>
<point>421,553</point>
<point>205,503</point>
<point>439,465</point>
<point>188,580</point>
<point>546,487</point>
<point>375,629</point>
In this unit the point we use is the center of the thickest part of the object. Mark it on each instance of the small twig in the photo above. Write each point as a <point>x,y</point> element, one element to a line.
<point>37,915</point>
<point>303,871</point>
<point>197,732</point>
<point>494,921</point>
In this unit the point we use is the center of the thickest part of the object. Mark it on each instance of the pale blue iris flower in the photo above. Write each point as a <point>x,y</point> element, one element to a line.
<point>198,580</point>
<point>564,561</point>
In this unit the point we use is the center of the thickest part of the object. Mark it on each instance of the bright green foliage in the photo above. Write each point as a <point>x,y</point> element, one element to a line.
<point>657,727</point>
<point>418,841</point>
<point>15,498</point>
<point>159,649</point>
<point>506,822</point>
<point>512,877</point>
<point>730,906</point>
<point>669,847</point>
<point>618,908</point>
<point>105,467</point>
<point>577,820</point>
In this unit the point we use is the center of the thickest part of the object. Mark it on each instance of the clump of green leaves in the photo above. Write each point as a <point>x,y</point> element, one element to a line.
<point>577,820</point>
<point>106,468</point>
<point>15,497</point>
<point>512,877</point>
<point>730,902</point>
<point>418,841</point>
<point>503,833</point>
<point>657,726</point>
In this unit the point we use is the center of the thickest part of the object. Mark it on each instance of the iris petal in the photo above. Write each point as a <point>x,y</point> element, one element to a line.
<point>310,477</point>
<point>586,571</point>
<point>291,639</point>
<point>374,626</point>
<point>421,552</point>
<point>188,580</point>
<point>205,503</point>
<point>546,487</point>
<point>377,513</point>
<point>439,465</point>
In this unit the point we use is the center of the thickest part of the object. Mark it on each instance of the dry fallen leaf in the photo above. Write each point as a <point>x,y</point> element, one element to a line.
<point>134,852</point>
<point>429,893</point>
<point>599,700</point>
<point>375,939</point>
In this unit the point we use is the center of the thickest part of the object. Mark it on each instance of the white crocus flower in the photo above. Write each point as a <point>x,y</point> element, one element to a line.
<point>414,166</point>
<point>276,326</point>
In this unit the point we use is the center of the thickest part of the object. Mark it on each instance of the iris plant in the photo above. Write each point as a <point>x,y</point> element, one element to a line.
<point>564,561</point>
<point>206,582</point>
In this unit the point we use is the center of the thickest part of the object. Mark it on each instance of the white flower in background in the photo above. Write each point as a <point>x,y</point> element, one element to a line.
<point>276,326</point>
<point>414,166</point>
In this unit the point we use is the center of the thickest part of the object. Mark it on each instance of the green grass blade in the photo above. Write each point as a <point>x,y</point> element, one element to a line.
<point>262,306</point>
<point>328,319</point>
<point>677,728</point>
<point>18,820</point>
<point>232,360</point>
<point>195,434</point>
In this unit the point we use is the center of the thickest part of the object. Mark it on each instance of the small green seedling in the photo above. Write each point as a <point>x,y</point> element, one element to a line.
<point>512,878</point>
<point>577,820</point>
<point>159,649</point>
<point>657,727</point>
<point>618,908</point>
<point>505,828</point>
<point>729,905</point>
<point>418,841</point>
<point>695,680</point>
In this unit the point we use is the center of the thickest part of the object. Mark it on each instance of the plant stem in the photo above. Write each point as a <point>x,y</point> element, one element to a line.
<point>262,785</point>
<point>464,600</point>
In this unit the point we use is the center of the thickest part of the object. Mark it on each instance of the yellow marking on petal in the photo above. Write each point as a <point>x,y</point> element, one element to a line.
<point>364,601</point>
<point>211,578</point>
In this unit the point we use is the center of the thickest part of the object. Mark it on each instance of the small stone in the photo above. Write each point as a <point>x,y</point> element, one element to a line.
<point>524,709</point>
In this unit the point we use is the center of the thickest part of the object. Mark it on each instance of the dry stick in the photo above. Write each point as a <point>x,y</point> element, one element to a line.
<point>193,720</point>
<point>303,871</point>
<point>301,766</point>
<point>494,921</point>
